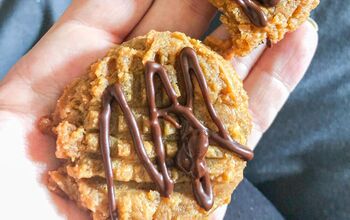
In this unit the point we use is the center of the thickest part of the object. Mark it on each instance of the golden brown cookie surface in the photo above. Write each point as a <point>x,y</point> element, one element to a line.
<point>281,17</point>
<point>82,177</point>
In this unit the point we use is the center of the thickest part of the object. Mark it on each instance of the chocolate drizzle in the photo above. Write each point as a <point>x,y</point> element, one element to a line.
<point>255,14</point>
<point>162,180</point>
<point>194,136</point>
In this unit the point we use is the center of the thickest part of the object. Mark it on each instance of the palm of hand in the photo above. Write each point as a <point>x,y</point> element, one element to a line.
<point>81,36</point>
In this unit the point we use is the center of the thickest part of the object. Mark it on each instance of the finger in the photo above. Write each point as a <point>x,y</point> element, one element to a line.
<point>68,209</point>
<point>242,65</point>
<point>275,76</point>
<point>116,17</point>
<point>191,17</point>
<point>219,213</point>
<point>84,33</point>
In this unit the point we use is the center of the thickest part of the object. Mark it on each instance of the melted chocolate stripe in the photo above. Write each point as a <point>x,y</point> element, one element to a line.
<point>163,181</point>
<point>255,14</point>
<point>104,119</point>
<point>203,192</point>
<point>189,64</point>
<point>194,134</point>
<point>231,145</point>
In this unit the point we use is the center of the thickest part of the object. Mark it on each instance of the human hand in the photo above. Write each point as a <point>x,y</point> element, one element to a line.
<point>83,34</point>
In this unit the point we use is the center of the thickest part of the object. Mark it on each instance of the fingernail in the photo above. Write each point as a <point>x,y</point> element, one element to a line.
<point>313,23</point>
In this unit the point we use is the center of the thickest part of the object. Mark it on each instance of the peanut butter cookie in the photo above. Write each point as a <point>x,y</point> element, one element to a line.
<point>251,22</point>
<point>155,130</point>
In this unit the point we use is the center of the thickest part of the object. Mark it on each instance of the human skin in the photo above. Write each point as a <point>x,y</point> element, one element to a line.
<point>82,35</point>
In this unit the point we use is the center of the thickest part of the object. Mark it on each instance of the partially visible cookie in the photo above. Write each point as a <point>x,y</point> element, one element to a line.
<point>153,131</point>
<point>252,22</point>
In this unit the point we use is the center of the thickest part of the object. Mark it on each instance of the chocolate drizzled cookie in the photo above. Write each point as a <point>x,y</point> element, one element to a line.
<point>155,130</point>
<point>252,22</point>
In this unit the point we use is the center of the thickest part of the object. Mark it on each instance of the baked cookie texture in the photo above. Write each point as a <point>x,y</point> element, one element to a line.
<point>81,176</point>
<point>286,16</point>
